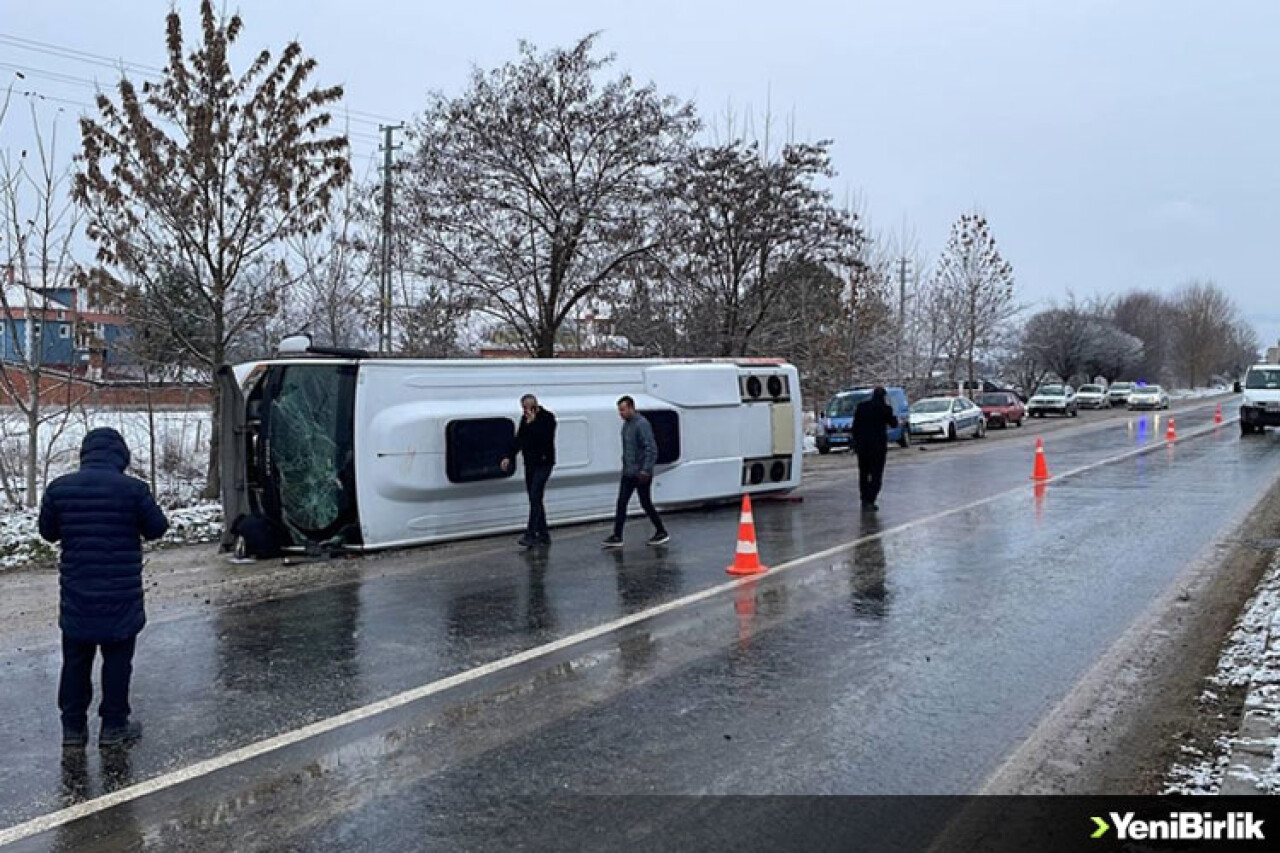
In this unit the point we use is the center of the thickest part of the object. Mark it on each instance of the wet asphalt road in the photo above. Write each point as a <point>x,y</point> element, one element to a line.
<point>911,662</point>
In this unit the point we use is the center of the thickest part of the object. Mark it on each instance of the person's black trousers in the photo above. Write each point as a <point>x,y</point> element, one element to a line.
<point>75,689</point>
<point>627,487</point>
<point>535,483</point>
<point>870,473</point>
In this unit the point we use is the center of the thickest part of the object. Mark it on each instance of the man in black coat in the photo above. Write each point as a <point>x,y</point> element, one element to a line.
<point>100,515</point>
<point>872,421</point>
<point>536,439</point>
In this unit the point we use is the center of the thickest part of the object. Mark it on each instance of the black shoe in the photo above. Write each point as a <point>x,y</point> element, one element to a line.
<point>612,542</point>
<point>74,737</point>
<point>543,541</point>
<point>526,541</point>
<point>868,506</point>
<point>118,735</point>
<point>660,538</point>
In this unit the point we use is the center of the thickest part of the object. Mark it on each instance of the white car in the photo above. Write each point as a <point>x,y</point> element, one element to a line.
<point>1148,397</point>
<point>1053,400</point>
<point>946,417</point>
<point>1093,397</point>
<point>1119,393</point>
<point>1260,406</point>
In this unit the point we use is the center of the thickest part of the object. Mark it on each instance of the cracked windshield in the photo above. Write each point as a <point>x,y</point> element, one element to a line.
<point>308,447</point>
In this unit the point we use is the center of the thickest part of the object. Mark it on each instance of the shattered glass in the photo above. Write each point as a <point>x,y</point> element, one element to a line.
<point>306,457</point>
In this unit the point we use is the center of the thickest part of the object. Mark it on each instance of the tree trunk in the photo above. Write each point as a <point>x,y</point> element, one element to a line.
<point>33,438</point>
<point>545,345</point>
<point>151,427</point>
<point>213,483</point>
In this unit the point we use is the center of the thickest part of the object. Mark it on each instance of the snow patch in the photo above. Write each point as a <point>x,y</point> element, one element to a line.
<point>1250,658</point>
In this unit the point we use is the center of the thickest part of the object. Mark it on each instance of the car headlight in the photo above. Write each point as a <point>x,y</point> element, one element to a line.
<point>1248,401</point>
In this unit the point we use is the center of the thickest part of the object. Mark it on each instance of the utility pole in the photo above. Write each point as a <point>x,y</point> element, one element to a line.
<point>902,314</point>
<point>384,280</point>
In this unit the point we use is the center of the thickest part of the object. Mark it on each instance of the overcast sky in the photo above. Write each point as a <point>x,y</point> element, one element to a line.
<point>1112,145</point>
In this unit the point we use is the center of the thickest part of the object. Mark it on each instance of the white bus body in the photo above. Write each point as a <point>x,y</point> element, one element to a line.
<point>355,453</point>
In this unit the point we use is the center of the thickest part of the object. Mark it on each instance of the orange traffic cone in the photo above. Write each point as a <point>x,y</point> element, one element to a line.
<point>1217,414</point>
<point>746,561</point>
<point>1041,469</point>
<point>1170,434</point>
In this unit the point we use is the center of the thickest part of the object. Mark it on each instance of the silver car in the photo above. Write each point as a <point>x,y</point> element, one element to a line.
<point>946,417</point>
<point>1148,397</point>
<point>1093,397</point>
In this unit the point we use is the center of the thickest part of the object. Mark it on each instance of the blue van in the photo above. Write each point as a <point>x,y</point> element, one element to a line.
<point>835,426</point>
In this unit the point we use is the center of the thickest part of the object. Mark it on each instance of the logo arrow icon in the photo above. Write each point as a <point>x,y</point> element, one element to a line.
<point>1102,828</point>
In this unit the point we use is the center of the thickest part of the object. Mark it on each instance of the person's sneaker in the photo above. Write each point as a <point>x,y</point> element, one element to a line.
<point>117,735</point>
<point>660,538</point>
<point>612,542</point>
<point>526,541</point>
<point>542,541</point>
<point>74,737</point>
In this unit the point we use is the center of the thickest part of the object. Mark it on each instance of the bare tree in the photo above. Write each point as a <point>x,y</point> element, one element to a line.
<point>333,298</point>
<point>745,220</point>
<point>978,283</point>
<point>1114,353</point>
<point>1205,320</point>
<point>1149,317</point>
<point>199,179</point>
<point>39,225</point>
<point>1022,362</point>
<point>1062,338</point>
<point>536,188</point>
<point>934,333</point>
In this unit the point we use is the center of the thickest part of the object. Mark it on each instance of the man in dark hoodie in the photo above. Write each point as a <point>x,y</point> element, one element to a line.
<point>100,515</point>
<point>536,439</point>
<point>872,421</point>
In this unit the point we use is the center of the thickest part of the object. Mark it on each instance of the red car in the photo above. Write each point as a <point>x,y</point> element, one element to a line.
<point>1001,408</point>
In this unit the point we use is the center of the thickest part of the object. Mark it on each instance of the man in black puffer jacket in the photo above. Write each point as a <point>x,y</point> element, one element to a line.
<point>100,515</point>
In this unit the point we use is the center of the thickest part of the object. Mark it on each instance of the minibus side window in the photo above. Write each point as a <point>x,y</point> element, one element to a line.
<point>475,448</point>
<point>666,431</point>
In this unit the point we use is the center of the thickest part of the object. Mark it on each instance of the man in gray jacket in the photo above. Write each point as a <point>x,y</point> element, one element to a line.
<point>639,455</point>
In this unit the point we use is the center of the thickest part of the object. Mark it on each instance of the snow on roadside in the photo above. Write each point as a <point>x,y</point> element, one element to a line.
<point>1244,662</point>
<point>22,547</point>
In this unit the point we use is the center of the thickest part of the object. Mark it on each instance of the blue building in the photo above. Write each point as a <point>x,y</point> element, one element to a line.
<point>53,323</point>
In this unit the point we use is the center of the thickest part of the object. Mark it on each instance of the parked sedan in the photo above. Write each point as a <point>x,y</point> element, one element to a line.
<point>946,417</point>
<point>1093,397</point>
<point>1002,409</point>
<point>1148,397</point>
<point>1053,399</point>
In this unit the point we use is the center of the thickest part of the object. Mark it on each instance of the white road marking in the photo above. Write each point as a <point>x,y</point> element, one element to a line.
<point>53,820</point>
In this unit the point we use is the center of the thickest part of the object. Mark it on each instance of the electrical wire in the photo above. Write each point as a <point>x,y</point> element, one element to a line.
<point>47,48</point>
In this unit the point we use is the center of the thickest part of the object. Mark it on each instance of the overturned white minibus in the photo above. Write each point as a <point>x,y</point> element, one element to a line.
<point>337,452</point>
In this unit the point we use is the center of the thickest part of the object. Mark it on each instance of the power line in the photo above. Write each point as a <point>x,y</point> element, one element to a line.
<point>60,51</point>
<point>55,76</point>
<point>77,55</point>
